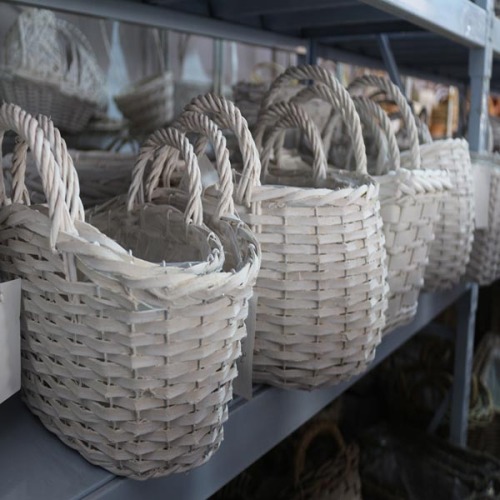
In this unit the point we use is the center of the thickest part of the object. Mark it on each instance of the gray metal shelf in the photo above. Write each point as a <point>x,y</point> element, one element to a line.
<point>35,464</point>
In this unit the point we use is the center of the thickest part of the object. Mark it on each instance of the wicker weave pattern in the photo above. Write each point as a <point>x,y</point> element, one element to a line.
<point>450,251</point>
<point>127,361</point>
<point>149,104</point>
<point>410,205</point>
<point>484,265</point>
<point>321,289</point>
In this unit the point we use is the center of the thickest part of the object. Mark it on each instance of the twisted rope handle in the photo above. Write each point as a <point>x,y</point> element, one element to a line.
<point>158,147</point>
<point>189,121</point>
<point>322,427</point>
<point>69,174</point>
<point>274,69</point>
<point>369,112</point>
<point>12,117</point>
<point>338,98</point>
<point>406,112</point>
<point>285,115</point>
<point>226,115</point>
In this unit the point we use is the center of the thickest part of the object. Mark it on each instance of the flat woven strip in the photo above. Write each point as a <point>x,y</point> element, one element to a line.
<point>321,289</point>
<point>451,249</point>
<point>484,264</point>
<point>128,361</point>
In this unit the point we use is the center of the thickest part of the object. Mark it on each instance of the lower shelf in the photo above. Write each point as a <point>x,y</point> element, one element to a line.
<point>35,464</point>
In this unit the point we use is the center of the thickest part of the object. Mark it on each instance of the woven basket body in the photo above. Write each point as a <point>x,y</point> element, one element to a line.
<point>321,289</point>
<point>149,104</point>
<point>129,362</point>
<point>51,70</point>
<point>484,265</point>
<point>450,251</point>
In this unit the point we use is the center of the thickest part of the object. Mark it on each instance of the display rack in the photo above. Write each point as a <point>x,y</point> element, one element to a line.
<point>452,41</point>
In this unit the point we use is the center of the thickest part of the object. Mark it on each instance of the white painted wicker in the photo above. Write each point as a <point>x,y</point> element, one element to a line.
<point>149,103</point>
<point>51,69</point>
<point>321,289</point>
<point>454,232</point>
<point>128,361</point>
<point>102,174</point>
<point>484,264</point>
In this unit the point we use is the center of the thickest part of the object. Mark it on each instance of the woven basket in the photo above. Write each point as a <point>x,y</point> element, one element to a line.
<point>102,175</point>
<point>484,265</point>
<point>41,77</point>
<point>410,202</point>
<point>450,251</point>
<point>114,360</point>
<point>337,477</point>
<point>149,103</point>
<point>321,289</point>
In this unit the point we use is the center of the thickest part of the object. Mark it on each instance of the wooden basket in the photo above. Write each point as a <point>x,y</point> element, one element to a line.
<point>42,78</point>
<point>484,265</point>
<point>321,289</point>
<point>115,361</point>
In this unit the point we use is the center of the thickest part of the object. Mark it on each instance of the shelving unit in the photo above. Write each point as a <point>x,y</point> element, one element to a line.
<point>453,41</point>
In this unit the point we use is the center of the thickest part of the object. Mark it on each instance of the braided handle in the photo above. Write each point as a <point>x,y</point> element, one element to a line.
<point>322,427</point>
<point>374,117</point>
<point>190,121</point>
<point>288,115</point>
<point>274,69</point>
<point>157,148</point>
<point>394,93</point>
<point>339,99</point>
<point>12,117</point>
<point>227,115</point>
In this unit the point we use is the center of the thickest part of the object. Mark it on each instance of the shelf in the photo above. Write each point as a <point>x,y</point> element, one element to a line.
<point>35,464</point>
<point>430,39</point>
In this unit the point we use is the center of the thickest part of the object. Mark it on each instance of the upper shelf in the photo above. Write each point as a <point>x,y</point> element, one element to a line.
<point>429,38</point>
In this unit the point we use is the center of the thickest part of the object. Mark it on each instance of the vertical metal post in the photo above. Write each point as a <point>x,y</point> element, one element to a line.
<point>312,52</point>
<point>218,75</point>
<point>480,62</point>
<point>389,61</point>
<point>464,349</point>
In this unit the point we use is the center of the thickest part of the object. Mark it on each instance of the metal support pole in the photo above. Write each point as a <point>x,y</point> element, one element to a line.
<point>480,63</point>
<point>312,52</point>
<point>218,78</point>
<point>464,349</point>
<point>389,61</point>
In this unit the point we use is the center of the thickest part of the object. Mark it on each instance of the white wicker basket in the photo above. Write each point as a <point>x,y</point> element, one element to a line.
<point>114,360</point>
<point>51,69</point>
<point>149,103</point>
<point>484,265</point>
<point>321,289</point>
<point>454,232</point>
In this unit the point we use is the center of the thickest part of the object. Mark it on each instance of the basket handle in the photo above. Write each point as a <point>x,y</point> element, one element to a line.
<point>187,122</point>
<point>159,145</point>
<point>12,117</point>
<point>340,100</point>
<point>338,97</point>
<point>288,115</point>
<point>69,174</point>
<point>226,115</point>
<point>374,117</point>
<point>272,67</point>
<point>321,427</point>
<point>393,92</point>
